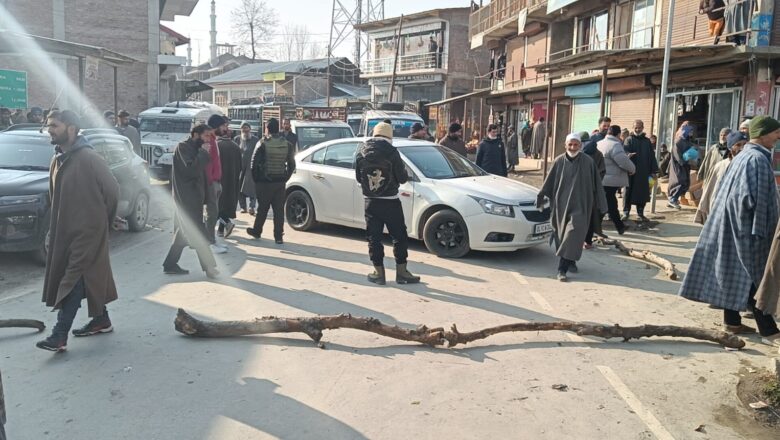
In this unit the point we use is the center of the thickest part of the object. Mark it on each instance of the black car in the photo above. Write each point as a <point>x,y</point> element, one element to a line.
<point>25,156</point>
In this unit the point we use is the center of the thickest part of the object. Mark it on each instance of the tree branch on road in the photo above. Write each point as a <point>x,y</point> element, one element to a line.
<point>313,327</point>
<point>22,323</point>
<point>667,266</point>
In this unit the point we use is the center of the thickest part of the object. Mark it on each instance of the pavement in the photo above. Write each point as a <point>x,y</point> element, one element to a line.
<point>146,381</point>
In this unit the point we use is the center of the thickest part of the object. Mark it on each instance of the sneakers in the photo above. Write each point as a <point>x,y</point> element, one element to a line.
<point>175,270</point>
<point>739,329</point>
<point>377,276</point>
<point>229,228</point>
<point>674,205</point>
<point>217,249</point>
<point>93,327</point>
<point>53,343</point>
<point>624,218</point>
<point>562,277</point>
<point>773,340</point>
<point>253,232</point>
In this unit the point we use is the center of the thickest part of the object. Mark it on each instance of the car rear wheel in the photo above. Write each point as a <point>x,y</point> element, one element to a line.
<point>445,234</point>
<point>299,211</point>
<point>140,215</point>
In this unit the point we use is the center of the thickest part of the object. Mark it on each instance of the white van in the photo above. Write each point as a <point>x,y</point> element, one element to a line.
<point>162,128</point>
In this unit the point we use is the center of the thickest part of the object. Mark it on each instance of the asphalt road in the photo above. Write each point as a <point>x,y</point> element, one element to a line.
<point>145,381</point>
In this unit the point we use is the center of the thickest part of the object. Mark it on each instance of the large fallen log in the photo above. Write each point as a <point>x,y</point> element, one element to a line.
<point>22,323</point>
<point>643,255</point>
<point>313,327</point>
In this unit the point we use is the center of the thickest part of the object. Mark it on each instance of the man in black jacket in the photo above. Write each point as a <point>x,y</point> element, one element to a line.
<point>272,166</point>
<point>380,171</point>
<point>491,155</point>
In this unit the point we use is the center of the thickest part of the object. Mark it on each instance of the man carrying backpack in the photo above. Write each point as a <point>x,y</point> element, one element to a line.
<point>380,171</point>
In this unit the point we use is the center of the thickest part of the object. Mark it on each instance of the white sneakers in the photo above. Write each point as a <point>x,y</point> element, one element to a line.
<point>218,249</point>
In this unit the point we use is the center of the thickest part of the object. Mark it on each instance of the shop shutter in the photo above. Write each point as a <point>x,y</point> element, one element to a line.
<point>625,108</point>
<point>585,114</point>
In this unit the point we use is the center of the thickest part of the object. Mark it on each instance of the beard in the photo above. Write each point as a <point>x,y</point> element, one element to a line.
<point>59,140</point>
<point>572,154</point>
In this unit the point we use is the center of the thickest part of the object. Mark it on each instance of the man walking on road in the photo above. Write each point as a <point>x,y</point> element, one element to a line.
<point>380,171</point>
<point>214,182</point>
<point>246,142</point>
<point>618,166</point>
<point>272,166</point>
<point>730,257</point>
<point>189,183</point>
<point>124,128</point>
<point>573,188</point>
<point>84,197</point>
<point>512,151</point>
<point>291,137</point>
<point>491,155</point>
<point>230,156</point>
<point>640,151</point>
<point>454,139</point>
<point>538,138</point>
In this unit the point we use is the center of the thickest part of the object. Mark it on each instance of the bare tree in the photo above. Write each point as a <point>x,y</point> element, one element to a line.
<point>253,22</point>
<point>301,41</point>
<point>317,50</point>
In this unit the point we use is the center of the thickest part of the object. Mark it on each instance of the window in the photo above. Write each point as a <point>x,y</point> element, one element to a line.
<point>308,136</point>
<point>318,157</point>
<point>341,155</point>
<point>114,151</point>
<point>165,125</point>
<point>440,163</point>
<point>593,32</point>
<point>642,24</point>
<point>221,98</point>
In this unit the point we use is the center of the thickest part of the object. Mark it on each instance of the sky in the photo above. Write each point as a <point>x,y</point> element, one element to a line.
<point>314,14</point>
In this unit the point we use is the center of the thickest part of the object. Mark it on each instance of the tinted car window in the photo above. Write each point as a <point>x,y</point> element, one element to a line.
<point>115,152</point>
<point>308,136</point>
<point>341,155</point>
<point>166,125</point>
<point>440,163</point>
<point>25,152</point>
<point>402,128</point>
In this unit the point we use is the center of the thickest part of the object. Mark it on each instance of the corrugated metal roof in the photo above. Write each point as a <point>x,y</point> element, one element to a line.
<point>254,72</point>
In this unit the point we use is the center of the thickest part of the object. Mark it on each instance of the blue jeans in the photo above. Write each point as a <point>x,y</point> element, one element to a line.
<point>68,308</point>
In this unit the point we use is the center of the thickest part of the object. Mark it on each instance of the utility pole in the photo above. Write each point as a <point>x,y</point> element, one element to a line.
<point>330,50</point>
<point>395,59</point>
<point>662,108</point>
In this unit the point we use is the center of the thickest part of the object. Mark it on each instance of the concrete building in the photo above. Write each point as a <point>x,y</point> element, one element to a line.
<point>424,71</point>
<point>130,27</point>
<point>222,64</point>
<point>605,57</point>
<point>304,81</point>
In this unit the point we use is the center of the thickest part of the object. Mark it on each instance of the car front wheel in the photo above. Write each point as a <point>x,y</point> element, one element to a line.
<point>445,234</point>
<point>299,211</point>
<point>140,215</point>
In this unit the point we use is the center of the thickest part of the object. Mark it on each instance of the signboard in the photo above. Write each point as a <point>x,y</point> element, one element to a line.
<point>554,5</point>
<point>91,69</point>
<point>13,89</point>
<point>321,113</point>
<point>273,76</point>
<point>407,79</point>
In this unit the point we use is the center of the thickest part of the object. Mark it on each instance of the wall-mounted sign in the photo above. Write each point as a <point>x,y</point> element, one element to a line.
<point>407,79</point>
<point>273,76</point>
<point>13,89</point>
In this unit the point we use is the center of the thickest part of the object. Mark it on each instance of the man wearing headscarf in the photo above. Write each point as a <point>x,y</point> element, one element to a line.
<point>714,154</point>
<point>573,189</point>
<point>730,257</point>
<point>246,142</point>
<point>734,143</point>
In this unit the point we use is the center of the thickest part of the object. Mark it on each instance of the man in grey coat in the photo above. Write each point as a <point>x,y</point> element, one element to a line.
<point>573,188</point>
<point>619,166</point>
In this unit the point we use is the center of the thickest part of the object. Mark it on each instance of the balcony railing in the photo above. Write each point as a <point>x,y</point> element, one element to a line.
<point>498,12</point>
<point>406,64</point>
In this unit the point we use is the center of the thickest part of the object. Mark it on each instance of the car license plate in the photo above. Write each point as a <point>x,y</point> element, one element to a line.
<point>542,228</point>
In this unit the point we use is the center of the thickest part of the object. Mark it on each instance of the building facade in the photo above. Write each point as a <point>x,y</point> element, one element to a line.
<point>605,57</point>
<point>130,27</point>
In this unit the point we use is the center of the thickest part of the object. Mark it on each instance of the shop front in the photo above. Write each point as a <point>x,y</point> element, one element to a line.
<point>429,87</point>
<point>708,110</point>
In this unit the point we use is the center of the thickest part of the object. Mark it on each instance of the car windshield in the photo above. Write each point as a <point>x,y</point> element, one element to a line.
<point>402,128</point>
<point>165,125</point>
<point>354,123</point>
<point>440,163</point>
<point>308,136</point>
<point>25,153</point>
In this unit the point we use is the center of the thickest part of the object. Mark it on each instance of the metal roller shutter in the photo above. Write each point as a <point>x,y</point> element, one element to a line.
<point>585,114</point>
<point>625,108</point>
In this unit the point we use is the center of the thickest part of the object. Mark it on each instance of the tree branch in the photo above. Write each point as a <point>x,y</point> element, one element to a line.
<point>667,266</point>
<point>22,323</point>
<point>314,326</point>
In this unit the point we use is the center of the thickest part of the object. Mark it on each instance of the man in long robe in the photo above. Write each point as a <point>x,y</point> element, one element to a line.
<point>712,156</point>
<point>735,141</point>
<point>538,138</point>
<point>84,197</point>
<point>768,295</point>
<point>730,256</point>
<point>573,188</point>
<point>247,142</point>
<point>640,151</point>
<point>230,158</point>
<point>189,183</point>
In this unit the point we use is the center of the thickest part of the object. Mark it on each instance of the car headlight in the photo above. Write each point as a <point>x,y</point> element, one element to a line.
<point>157,151</point>
<point>22,200</point>
<point>491,207</point>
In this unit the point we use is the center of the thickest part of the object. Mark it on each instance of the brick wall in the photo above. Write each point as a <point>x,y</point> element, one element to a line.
<point>463,63</point>
<point>123,27</point>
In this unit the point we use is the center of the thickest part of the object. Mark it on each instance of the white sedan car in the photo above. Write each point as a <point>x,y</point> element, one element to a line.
<point>449,202</point>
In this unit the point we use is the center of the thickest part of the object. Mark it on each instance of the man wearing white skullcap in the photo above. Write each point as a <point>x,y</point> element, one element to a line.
<point>573,189</point>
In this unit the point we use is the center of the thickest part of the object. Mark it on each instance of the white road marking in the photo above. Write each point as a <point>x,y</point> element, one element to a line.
<point>635,404</point>
<point>540,300</point>
<point>521,279</point>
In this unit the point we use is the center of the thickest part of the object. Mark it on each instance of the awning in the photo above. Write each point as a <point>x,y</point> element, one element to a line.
<point>11,43</point>
<point>473,94</point>
<point>649,60</point>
